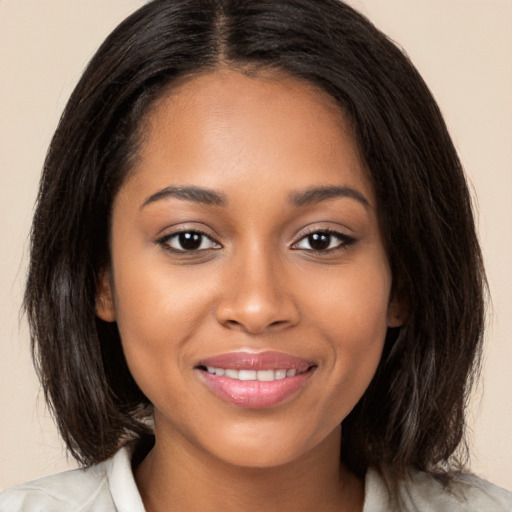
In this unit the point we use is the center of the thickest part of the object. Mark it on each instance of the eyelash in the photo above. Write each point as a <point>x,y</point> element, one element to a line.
<point>164,241</point>
<point>345,241</point>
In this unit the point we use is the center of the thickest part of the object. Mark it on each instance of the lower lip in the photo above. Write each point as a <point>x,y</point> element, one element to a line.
<point>255,394</point>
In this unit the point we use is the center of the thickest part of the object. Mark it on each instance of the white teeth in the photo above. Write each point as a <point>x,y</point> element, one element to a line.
<point>216,371</point>
<point>246,374</point>
<point>280,374</point>
<point>266,375</point>
<point>261,375</point>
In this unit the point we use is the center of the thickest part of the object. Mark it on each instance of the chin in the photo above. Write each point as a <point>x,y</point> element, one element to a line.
<point>261,458</point>
<point>269,447</point>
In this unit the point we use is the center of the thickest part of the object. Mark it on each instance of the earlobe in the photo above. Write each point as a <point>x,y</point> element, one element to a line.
<point>104,298</point>
<point>397,312</point>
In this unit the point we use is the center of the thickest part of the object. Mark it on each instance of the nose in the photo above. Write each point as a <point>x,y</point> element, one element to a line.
<point>257,295</point>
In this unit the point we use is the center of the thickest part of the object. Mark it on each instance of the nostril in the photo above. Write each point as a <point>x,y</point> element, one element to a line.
<point>232,323</point>
<point>253,314</point>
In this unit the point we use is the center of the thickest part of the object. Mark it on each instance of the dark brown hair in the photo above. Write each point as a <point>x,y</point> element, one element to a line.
<point>413,412</point>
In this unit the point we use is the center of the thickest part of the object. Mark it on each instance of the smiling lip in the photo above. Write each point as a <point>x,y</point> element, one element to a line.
<point>255,380</point>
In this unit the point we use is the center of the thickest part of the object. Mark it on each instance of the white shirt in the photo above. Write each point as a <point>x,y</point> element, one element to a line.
<point>110,487</point>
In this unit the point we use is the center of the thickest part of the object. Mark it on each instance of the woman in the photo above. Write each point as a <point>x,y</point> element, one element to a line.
<point>253,230</point>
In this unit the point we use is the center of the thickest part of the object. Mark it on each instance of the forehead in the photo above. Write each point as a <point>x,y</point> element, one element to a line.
<point>226,124</point>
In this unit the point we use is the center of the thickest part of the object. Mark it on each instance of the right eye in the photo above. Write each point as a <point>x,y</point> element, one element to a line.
<point>188,241</point>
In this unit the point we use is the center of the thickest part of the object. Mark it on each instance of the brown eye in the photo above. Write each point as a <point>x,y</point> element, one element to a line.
<point>190,241</point>
<point>185,241</point>
<point>324,241</point>
<point>319,241</point>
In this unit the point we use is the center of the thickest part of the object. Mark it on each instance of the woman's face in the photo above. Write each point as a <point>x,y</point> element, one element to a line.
<point>249,279</point>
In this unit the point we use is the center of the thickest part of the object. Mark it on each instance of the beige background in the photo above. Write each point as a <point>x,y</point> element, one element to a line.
<point>463,48</point>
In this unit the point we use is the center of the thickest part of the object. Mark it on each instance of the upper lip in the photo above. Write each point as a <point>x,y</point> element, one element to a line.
<point>257,361</point>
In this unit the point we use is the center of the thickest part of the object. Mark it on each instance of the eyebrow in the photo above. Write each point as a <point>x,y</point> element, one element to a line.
<point>189,193</point>
<point>324,193</point>
<point>298,199</point>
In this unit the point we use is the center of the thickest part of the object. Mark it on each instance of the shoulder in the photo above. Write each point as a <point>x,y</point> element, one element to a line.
<point>105,487</point>
<point>422,492</point>
<point>62,492</point>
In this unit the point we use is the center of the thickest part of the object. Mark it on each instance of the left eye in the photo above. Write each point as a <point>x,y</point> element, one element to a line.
<point>189,241</point>
<point>323,241</point>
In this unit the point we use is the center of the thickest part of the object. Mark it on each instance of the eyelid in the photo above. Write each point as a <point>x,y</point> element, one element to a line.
<point>164,240</point>
<point>345,240</point>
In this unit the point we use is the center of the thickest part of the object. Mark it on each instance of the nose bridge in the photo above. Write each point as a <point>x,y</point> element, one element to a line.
<point>255,296</point>
<point>257,276</point>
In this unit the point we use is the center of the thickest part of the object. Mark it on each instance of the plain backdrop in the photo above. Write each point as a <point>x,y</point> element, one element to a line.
<point>463,48</point>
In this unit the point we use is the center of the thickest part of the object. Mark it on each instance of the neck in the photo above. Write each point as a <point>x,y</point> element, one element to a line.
<point>180,476</point>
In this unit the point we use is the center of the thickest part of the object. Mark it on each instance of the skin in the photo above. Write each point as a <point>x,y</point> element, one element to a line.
<point>255,284</point>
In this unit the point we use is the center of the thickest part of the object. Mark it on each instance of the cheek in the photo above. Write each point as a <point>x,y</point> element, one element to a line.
<point>352,303</point>
<point>154,296</point>
<point>351,312</point>
<point>158,312</point>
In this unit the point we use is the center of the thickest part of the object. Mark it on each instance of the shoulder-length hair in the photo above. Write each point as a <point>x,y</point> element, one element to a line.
<point>413,411</point>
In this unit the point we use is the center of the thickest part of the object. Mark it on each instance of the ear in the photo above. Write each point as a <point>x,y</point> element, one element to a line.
<point>397,310</point>
<point>105,308</point>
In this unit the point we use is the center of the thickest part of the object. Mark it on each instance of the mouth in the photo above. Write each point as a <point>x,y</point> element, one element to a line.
<point>255,381</point>
<point>259,375</point>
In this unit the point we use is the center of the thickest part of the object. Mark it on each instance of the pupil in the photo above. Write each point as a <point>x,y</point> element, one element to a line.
<point>319,241</point>
<point>190,241</point>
